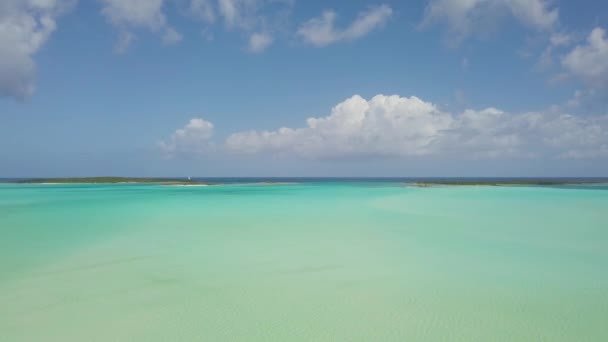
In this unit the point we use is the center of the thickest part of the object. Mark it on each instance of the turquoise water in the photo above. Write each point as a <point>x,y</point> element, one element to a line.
<point>303,262</point>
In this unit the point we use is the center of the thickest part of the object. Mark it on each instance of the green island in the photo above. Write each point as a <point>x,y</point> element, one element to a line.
<point>506,182</point>
<point>111,180</point>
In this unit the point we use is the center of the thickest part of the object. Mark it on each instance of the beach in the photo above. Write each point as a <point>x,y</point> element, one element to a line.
<point>330,261</point>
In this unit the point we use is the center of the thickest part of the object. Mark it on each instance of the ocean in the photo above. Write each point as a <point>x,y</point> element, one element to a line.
<point>303,260</point>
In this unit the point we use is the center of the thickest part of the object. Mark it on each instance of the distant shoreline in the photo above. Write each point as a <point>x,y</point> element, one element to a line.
<point>513,182</point>
<point>411,182</point>
<point>112,180</point>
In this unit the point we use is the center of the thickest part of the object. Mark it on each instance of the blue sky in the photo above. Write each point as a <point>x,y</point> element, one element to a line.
<point>303,88</point>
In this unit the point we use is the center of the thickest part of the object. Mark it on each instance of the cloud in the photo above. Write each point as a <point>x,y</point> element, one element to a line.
<point>464,18</point>
<point>192,139</point>
<point>355,128</point>
<point>405,127</point>
<point>230,11</point>
<point>321,31</point>
<point>129,15</point>
<point>171,37</point>
<point>25,26</point>
<point>249,14</point>
<point>577,136</point>
<point>203,9</point>
<point>561,39</point>
<point>557,42</point>
<point>534,13</point>
<point>139,13</point>
<point>589,61</point>
<point>125,39</point>
<point>259,20</point>
<point>258,42</point>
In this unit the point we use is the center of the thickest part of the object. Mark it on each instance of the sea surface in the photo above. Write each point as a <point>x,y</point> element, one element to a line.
<point>326,260</point>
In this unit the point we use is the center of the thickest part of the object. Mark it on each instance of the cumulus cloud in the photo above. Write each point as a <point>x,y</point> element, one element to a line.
<point>322,31</point>
<point>129,15</point>
<point>464,18</point>
<point>408,127</point>
<point>400,127</point>
<point>258,42</point>
<point>191,140</point>
<point>25,26</point>
<point>355,128</point>
<point>589,61</point>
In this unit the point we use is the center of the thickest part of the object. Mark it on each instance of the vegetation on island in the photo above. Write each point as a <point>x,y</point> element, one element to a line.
<point>507,182</point>
<point>112,180</point>
<point>412,182</point>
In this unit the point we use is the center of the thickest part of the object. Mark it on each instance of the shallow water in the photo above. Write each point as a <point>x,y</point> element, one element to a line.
<point>330,261</point>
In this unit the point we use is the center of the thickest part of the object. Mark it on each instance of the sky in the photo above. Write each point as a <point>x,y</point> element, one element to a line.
<point>303,88</point>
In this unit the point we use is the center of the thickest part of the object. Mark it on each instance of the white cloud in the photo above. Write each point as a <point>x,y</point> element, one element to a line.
<point>203,9</point>
<point>399,127</point>
<point>589,61</point>
<point>464,18</point>
<point>259,20</point>
<point>322,31</point>
<point>192,139</point>
<point>258,42</point>
<point>128,15</point>
<point>534,13</point>
<point>249,15</point>
<point>25,26</point>
<point>577,136</point>
<point>230,11</point>
<point>561,39</point>
<point>556,42</point>
<point>171,37</point>
<point>139,13</point>
<point>355,128</point>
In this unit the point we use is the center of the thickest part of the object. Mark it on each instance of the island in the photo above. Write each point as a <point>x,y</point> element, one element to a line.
<point>506,182</point>
<point>112,180</point>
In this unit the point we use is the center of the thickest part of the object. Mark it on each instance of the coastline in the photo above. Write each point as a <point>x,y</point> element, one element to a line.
<point>110,180</point>
<point>404,182</point>
<point>458,183</point>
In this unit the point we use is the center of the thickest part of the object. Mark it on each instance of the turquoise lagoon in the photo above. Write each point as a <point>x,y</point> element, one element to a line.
<point>331,261</point>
